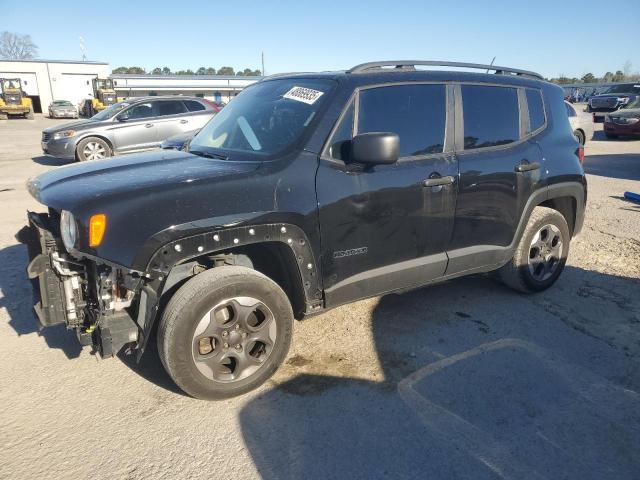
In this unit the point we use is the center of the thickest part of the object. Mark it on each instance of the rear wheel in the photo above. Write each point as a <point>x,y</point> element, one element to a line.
<point>92,148</point>
<point>541,253</point>
<point>579,134</point>
<point>225,332</point>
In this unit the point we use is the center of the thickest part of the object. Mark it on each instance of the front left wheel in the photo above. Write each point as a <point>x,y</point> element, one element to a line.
<point>93,148</point>
<point>225,332</point>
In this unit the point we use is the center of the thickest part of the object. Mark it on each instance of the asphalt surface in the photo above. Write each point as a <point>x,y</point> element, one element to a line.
<point>462,380</point>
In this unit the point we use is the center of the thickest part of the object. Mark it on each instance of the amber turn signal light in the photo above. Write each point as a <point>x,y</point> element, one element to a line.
<point>97,227</point>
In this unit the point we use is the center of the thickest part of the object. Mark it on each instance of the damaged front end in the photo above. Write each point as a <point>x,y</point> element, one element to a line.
<point>92,297</point>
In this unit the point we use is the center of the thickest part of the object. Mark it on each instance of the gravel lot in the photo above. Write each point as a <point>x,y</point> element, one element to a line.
<point>462,380</point>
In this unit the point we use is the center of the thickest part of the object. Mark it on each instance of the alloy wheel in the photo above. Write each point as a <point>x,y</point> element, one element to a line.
<point>94,151</point>
<point>545,252</point>
<point>234,339</point>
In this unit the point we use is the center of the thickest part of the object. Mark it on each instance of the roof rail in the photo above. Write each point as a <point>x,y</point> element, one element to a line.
<point>411,64</point>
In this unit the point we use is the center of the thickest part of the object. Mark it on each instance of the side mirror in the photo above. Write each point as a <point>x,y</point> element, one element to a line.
<point>375,148</point>
<point>123,117</point>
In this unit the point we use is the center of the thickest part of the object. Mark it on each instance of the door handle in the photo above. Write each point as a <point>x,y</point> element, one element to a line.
<point>183,121</point>
<point>525,166</point>
<point>148,125</point>
<point>438,181</point>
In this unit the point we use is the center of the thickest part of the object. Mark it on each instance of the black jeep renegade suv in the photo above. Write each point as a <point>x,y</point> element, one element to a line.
<point>306,192</point>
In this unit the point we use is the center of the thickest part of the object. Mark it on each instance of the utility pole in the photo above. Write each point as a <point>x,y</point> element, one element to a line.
<point>263,74</point>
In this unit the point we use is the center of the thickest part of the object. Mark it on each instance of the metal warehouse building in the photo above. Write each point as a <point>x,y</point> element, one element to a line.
<point>218,88</point>
<point>47,80</point>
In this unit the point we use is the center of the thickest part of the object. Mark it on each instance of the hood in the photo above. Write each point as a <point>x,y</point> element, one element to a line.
<point>87,185</point>
<point>77,125</point>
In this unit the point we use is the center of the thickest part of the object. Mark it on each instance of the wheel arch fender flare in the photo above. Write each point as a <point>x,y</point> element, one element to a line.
<point>182,250</point>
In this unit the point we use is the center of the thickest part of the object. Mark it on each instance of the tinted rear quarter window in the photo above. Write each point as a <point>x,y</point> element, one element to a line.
<point>536,109</point>
<point>491,116</point>
<point>170,107</point>
<point>416,113</point>
<point>193,106</point>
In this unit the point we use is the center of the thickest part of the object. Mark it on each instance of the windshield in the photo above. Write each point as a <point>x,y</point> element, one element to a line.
<point>267,118</point>
<point>12,83</point>
<point>62,103</point>
<point>626,88</point>
<point>107,113</point>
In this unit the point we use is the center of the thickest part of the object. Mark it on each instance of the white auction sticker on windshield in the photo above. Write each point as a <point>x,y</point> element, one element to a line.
<point>302,94</point>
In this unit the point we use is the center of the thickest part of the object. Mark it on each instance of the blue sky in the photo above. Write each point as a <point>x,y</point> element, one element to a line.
<point>551,37</point>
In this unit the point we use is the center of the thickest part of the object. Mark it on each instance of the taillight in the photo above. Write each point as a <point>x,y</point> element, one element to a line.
<point>212,105</point>
<point>580,154</point>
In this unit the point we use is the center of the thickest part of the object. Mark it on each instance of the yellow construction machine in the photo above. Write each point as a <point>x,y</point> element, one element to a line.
<point>13,100</point>
<point>103,93</point>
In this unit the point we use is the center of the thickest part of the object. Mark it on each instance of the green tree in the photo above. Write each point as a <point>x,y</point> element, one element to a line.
<point>618,76</point>
<point>136,70</point>
<point>156,71</point>
<point>201,71</point>
<point>210,71</point>
<point>226,71</point>
<point>589,78</point>
<point>607,77</point>
<point>166,71</point>
<point>120,70</point>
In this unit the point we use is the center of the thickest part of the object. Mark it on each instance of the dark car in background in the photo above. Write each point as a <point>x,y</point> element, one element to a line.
<point>614,98</point>
<point>623,122</point>
<point>177,142</point>
<point>133,125</point>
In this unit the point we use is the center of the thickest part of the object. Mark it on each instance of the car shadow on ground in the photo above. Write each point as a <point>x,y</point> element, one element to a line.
<point>51,161</point>
<point>479,382</point>
<point>625,166</point>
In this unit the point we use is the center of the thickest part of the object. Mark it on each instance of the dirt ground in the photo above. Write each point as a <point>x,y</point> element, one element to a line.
<point>462,380</point>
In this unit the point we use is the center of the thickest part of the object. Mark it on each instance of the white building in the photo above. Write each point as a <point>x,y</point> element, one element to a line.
<point>217,88</point>
<point>47,80</point>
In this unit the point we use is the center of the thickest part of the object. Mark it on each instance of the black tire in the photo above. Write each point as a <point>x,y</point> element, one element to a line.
<point>191,303</point>
<point>517,273</point>
<point>87,144</point>
<point>579,134</point>
<point>610,136</point>
<point>29,116</point>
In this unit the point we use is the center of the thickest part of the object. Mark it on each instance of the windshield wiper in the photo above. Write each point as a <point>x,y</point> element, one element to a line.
<point>200,153</point>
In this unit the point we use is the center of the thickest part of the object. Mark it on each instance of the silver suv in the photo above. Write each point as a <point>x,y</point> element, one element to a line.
<point>130,126</point>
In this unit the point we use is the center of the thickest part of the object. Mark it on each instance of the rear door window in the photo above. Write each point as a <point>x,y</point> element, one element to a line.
<point>417,113</point>
<point>170,107</point>
<point>491,116</point>
<point>536,109</point>
<point>141,110</point>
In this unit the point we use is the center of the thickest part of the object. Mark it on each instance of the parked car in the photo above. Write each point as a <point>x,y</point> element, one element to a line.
<point>623,122</point>
<point>579,123</point>
<point>177,142</point>
<point>612,99</point>
<point>62,109</point>
<point>135,125</point>
<point>307,192</point>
